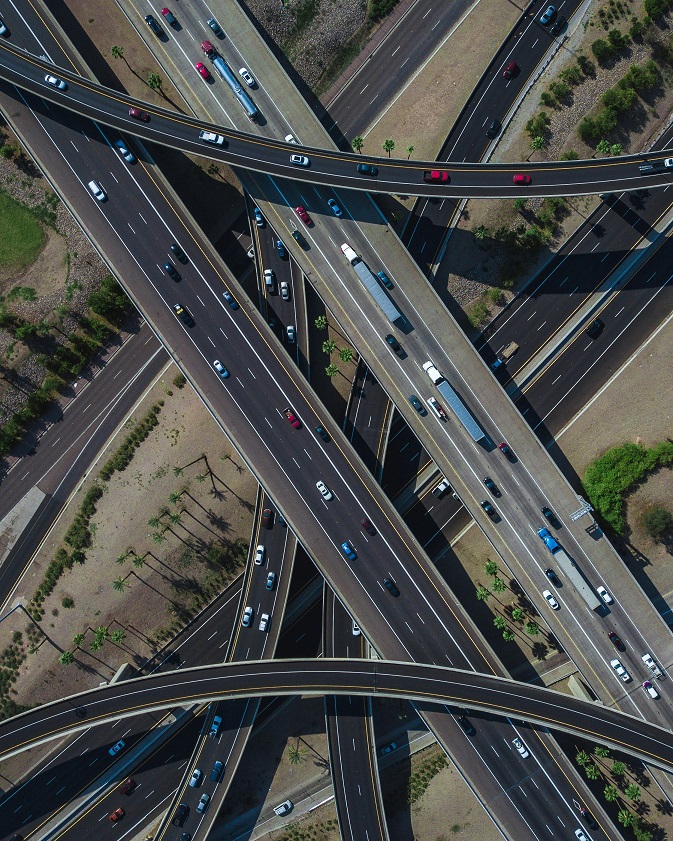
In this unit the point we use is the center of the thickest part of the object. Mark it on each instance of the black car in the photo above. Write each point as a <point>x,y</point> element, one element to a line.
<point>589,818</point>
<point>154,26</point>
<point>181,814</point>
<point>391,587</point>
<point>595,328</point>
<point>171,271</point>
<point>179,253</point>
<point>494,129</point>
<point>416,403</point>
<point>488,508</point>
<point>299,238</point>
<point>553,577</point>
<point>368,169</point>
<point>394,344</point>
<point>466,724</point>
<point>493,488</point>
<point>558,26</point>
<point>322,433</point>
<point>184,315</point>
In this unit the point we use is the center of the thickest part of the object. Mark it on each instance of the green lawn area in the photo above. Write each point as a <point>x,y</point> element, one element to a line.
<point>22,238</point>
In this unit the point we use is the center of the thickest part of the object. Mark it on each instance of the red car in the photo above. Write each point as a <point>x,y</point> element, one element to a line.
<point>137,114</point>
<point>512,69</point>
<point>520,180</point>
<point>128,786</point>
<point>290,415</point>
<point>170,17</point>
<point>116,815</point>
<point>614,639</point>
<point>435,175</point>
<point>203,70</point>
<point>303,215</point>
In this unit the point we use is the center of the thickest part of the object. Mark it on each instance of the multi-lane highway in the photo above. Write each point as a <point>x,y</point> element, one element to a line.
<point>413,681</point>
<point>328,168</point>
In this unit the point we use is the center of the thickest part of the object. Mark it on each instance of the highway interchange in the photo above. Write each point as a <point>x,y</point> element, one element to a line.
<point>197,321</point>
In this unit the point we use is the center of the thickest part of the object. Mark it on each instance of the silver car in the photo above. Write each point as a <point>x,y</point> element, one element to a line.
<point>299,160</point>
<point>246,619</point>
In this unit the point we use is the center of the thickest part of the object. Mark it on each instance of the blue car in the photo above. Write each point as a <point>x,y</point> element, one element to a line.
<point>229,298</point>
<point>282,253</point>
<point>334,207</point>
<point>347,549</point>
<point>221,370</point>
<point>259,219</point>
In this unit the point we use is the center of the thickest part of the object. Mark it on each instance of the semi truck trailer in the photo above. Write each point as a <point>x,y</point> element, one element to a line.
<point>454,402</point>
<point>570,568</point>
<point>371,284</point>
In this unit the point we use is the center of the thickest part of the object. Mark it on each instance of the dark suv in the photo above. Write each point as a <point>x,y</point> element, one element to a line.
<point>299,238</point>
<point>154,26</point>
<point>553,577</point>
<point>391,587</point>
<point>494,129</point>
<point>181,814</point>
<point>184,315</point>
<point>368,169</point>
<point>394,344</point>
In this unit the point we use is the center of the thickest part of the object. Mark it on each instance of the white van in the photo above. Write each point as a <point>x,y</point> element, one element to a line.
<point>651,691</point>
<point>96,190</point>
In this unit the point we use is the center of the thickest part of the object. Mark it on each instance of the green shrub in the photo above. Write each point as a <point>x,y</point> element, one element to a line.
<point>67,602</point>
<point>179,380</point>
<point>548,99</point>
<point>617,41</point>
<point>601,49</point>
<point>380,8</point>
<point>586,65</point>
<point>656,8</point>
<point>620,470</point>
<point>560,89</point>
<point>618,98</point>
<point>657,521</point>
<point>571,75</point>
<point>478,313</point>
<point>537,125</point>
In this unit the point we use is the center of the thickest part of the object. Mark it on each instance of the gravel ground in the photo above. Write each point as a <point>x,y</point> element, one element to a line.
<point>81,274</point>
<point>311,49</point>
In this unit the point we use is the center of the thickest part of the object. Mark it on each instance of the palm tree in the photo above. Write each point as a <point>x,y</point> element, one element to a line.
<point>480,232</point>
<point>388,146</point>
<point>491,568</point>
<point>517,614</point>
<point>582,758</point>
<point>77,640</point>
<point>120,584</point>
<point>500,622</point>
<point>137,561</point>
<point>66,658</point>
<point>177,471</point>
<point>632,792</point>
<point>357,143</point>
<point>332,370</point>
<point>158,537</point>
<point>295,754</point>
<point>200,478</point>
<point>498,585</point>
<point>117,52</point>
<point>329,346</point>
<point>618,768</point>
<point>118,636</point>
<point>153,521</point>
<point>599,750</point>
<point>508,635</point>
<point>175,518</point>
<point>625,817</point>
<point>610,793</point>
<point>410,151</point>
<point>120,559</point>
<point>321,322</point>
<point>592,771</point>
<point>532,628</point>
<point>96,645</point>
<point>482,594</point>
<point>175,497</point>
<point>101,632</point>
<point>155,82</point>
<point>345,354</point>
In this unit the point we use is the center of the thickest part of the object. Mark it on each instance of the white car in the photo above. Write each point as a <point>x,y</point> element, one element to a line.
<point>259,555</point>
<point>621,671</point>
<point>290,138</point>
<point>195,779</point>
<point>553,604</point>
<point>356,629</point>
<point>324,490</point>
<point>246,619</point>
<point>603,593</point>
<point>580,835</point>
<point>96,190</point>
<point>3,28</point>
<point>264,622</point>
<point>202,805</point>
<point>211,137</point>
<point>283,808</point>
<point>519,745</point>
<point>291,334</point>
<point>55,82</point>
<point>651,691</point>
<point>285,290</point>
<point>247,78</point>
<point>299,160</point>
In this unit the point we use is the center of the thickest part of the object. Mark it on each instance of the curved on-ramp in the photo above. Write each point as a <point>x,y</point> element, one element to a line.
<point>328,167</point>
<point>429,684</point>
